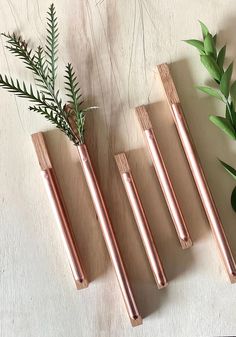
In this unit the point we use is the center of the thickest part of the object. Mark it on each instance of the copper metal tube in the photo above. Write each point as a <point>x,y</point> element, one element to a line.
<point>164,180</point>
<point>197,172</point>
<point>141,220</point>
<point>59,209</point>
<point>109,235</point>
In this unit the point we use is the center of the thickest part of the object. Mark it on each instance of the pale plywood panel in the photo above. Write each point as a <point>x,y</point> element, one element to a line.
<point>114,46</point>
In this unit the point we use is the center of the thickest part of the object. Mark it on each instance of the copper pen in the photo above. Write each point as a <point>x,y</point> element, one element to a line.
<point>141,220</point>
<point>109,235</point>
<point>59,210</point>
<point>164,179</point>
<point>197,172</point>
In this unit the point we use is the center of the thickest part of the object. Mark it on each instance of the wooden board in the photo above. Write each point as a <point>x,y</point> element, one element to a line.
<point>114,46</point>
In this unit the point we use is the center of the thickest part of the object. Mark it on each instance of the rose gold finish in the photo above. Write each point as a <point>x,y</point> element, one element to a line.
<point>197,172</point>
<point>141,220</point>
<point>204,191</point>
<point>59,210</point>
<point>164,180</point>
<point>109,235</point>
<point>61,215</point>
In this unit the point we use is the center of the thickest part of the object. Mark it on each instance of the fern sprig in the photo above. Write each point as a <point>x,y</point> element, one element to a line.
<point>21,90</point>
<point>48,110</point>
<point>75,101</point>
<point>56,119</point>
<point>46,99</point>
<point>18,47</point>
<point>52,44</point>
<point>33,61</point>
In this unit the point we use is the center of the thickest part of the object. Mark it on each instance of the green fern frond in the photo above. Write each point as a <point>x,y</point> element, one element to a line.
<point>21,89</point>
<point>40,61</point>
<point>47,100</point>
<point>52,44</point>
<point>18,47</point>
<point>73,92</point>
<point>33,61</point>
<point>55,119</point>
<point>72,88</point>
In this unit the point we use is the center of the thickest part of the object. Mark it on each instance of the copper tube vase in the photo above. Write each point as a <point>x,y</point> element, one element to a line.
<point>59,210</point>
<point>141,220</point>
<point>164,179</point>
<point>108,234</point>
<point>197,171</point>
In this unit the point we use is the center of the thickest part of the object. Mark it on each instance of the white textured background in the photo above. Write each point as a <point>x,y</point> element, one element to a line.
<point>114,46</point>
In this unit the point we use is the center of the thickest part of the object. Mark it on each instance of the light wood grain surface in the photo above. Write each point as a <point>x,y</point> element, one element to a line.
<point>115,46</point>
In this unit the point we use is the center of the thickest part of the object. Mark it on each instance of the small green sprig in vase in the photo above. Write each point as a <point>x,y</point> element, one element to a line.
<point>223,89</point>
<point>45,98</point>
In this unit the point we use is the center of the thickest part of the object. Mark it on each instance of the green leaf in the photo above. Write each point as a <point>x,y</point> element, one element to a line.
<point>224,125</point>
<point>228,114</point>
<point>233,102</point>
<point>221,57</point>
<point>210,91</point>
<point>233,199</point>
<point>209,45</point>
<point>225,81</point>
<point>196,43</point>
<point>211,66</point>
<point>233,93</point>
<point>229,169</point>
<point>215,38</point>
<point>233,114</point>
<point>204,28</point>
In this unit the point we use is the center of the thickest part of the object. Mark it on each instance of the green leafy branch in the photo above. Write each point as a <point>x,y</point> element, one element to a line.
<point>43,64</point>
<point>225,91</point>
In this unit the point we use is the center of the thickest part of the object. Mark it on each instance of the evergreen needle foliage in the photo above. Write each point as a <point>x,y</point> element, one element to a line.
<point>44,98</point>
<point>224,89</point>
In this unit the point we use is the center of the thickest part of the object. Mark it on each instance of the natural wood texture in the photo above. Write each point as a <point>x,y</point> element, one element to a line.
<point>143,118</point>
<point>114,47</point>
<point>168,84</point>
<point>41,151</point>
<point>122,162</point>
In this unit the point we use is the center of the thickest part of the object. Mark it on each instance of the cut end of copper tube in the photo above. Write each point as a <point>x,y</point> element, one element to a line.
<point>232,277</point>
<point>136,321</point>
<point>162,285</point>
<point>81,284</point>
<point>186,243</point>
